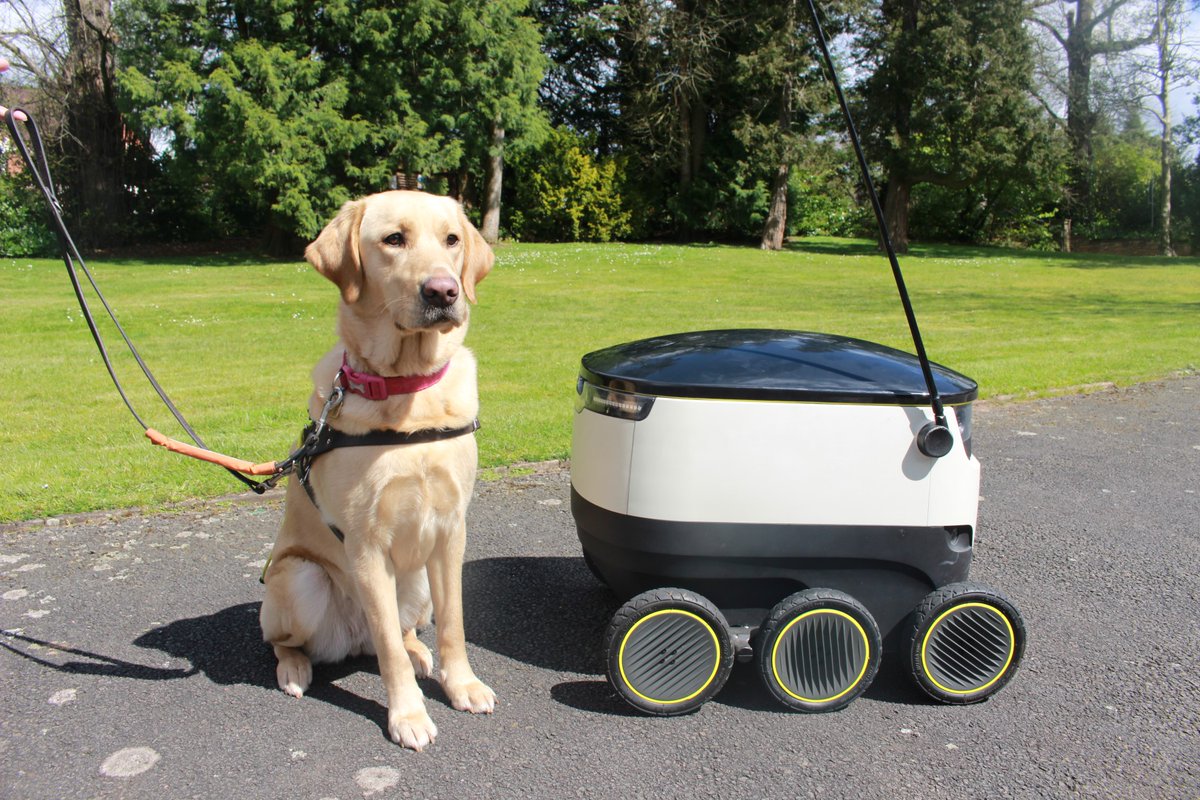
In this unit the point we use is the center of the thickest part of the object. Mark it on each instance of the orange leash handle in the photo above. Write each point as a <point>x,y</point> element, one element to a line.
<point>228,462</point>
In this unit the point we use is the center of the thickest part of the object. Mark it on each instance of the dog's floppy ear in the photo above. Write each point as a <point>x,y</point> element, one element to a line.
<point>334,253</point>
<point>477,258</point>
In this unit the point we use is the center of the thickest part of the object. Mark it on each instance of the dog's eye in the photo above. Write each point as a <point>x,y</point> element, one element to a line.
<point>395,240</point>
<point>452,240</point>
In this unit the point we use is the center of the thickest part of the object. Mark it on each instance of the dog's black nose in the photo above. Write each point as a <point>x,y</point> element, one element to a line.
<point>440,291</point>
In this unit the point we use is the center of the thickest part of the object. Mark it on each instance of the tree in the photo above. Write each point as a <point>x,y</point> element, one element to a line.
<point>33,38</point>
<point>949,100</point>
<point>690,120</point>
<point>285,108</point>
<point>495,58</point>
<point>95,145</point>
<point>775,227</point>
<point>780,76</point>
<point>578,90</point>
<point>568,194</point>
<point>254,108</point>
<point>673,56</point>
<point>1187,187</point>
<point>1085,30</point>
<point>1126,165</point>
<point>70,58</point>
<point>1149,81</point>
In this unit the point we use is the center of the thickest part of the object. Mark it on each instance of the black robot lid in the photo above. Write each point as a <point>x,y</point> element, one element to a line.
<point>771,365</point>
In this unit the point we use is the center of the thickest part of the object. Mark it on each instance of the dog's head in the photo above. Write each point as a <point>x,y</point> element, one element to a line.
<point>408,260</point>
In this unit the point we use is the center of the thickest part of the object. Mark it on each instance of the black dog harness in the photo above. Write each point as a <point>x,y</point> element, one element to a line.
<point>320,439</point>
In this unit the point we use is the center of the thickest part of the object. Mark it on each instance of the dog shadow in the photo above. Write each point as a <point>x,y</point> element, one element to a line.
<point>225,646</point>
<point>242,658</point>
<point>546,612</point>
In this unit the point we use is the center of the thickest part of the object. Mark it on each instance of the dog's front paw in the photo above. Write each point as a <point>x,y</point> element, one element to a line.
<point>470,695</point>
<point>414,730</point>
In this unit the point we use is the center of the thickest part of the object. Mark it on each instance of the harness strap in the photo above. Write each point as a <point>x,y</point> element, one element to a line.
<point>317,443</point>
<point>331,438</point>
<point>306,482</point>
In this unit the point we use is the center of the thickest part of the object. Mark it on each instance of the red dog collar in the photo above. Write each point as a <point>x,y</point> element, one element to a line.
<point>375,387</point>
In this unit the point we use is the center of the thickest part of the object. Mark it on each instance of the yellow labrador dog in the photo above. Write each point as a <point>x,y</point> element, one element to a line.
<point>406,264</point>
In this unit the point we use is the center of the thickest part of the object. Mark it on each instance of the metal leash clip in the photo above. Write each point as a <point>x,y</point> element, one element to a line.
<point>332,405</point>
<point>302,459</point>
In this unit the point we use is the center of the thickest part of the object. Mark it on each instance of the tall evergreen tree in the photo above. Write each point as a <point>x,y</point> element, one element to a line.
<point>493,61</point>
<point>288,107</point>
<point>578,91</point>
<point>948,102</point>
<point>674,57</point>
<point>782,79</point>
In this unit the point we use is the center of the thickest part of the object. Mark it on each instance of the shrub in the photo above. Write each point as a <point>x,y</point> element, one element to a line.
<point>564,193</point>
<point>24,230</point>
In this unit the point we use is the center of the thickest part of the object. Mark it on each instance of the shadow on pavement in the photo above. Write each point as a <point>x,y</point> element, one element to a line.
<point>95,664</point>
<point>226,646</point>
<point>545,612</point>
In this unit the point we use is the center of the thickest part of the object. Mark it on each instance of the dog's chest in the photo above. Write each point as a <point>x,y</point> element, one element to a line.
<point>402,498</point>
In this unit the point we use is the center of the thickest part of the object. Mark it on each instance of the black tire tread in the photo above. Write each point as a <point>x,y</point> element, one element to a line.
<point>646,603</point>
<point>823,598</point>
<point>938,600</point>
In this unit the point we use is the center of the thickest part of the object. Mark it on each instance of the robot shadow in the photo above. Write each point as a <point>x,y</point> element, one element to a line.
<point>545,612</point>
<point>551,613</point>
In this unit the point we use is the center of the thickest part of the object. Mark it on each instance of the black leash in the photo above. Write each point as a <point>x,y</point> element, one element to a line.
<point>318,438</point>
<point>40,171</point>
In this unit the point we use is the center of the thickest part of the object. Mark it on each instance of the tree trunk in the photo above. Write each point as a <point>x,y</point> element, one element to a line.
<point>776,225</point>
<point>693,132</point>
<point>94,146</point>
<point>775,228</point>
<point>1081,120</point>
<point>459,181</point>
<point>1164,203</point>
<point>1166,26</point>
<point>490,229</point>
<point>895,211</point>
<point>699,136</point>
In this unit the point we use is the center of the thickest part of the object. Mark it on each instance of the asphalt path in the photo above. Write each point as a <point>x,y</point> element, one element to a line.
<point>131,664</point>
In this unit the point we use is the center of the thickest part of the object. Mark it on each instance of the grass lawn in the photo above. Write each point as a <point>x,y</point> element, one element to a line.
<point>232,342</point>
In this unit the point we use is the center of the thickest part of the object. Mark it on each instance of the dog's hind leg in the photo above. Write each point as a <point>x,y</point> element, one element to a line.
<point>418,654</point>
<point>297,598</point>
